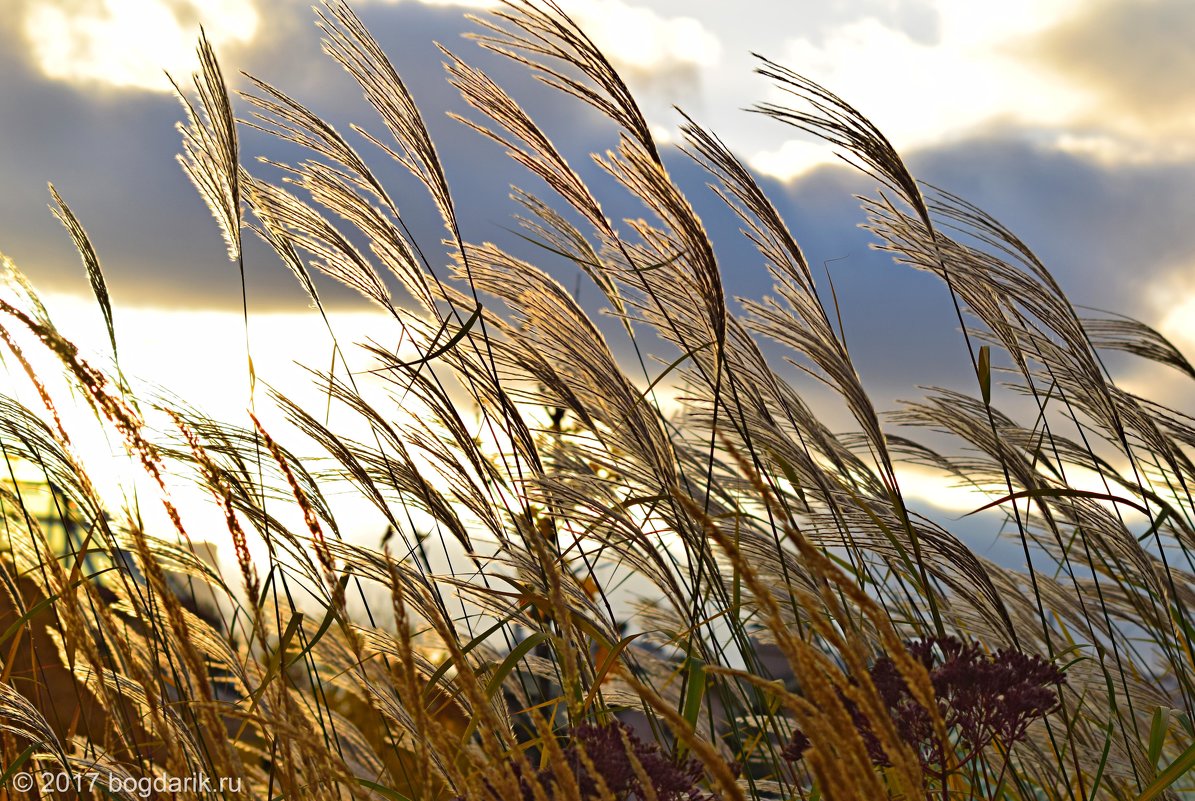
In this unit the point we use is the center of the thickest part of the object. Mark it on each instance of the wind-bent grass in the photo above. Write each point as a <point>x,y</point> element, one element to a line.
<point>753,529</point>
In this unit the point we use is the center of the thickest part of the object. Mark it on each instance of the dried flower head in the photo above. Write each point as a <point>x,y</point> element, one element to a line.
<point>983,698</point>
<point>611,758</point>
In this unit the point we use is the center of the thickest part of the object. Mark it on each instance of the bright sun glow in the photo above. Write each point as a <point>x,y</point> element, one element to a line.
<point>128,43</point>
<point>946,494</point>
<point>1179,323</point>
<point>197,357</point>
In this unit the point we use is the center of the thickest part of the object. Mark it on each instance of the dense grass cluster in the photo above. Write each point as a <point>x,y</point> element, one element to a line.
<point>725,601</point>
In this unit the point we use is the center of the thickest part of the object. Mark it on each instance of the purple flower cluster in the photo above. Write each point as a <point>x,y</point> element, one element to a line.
<point>610,749</point>
<point>982,698</point>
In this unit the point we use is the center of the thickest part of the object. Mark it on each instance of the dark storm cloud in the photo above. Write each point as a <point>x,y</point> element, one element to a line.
<point>899,323</point>
<point>110,153</point>
<point>1104,230</point>
<point>1137,54</point>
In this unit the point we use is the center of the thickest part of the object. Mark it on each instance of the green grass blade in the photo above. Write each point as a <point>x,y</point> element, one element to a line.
<point>44,604</point>
<point>513,658</point>
<point>504,669</point>
<point>984,370</point>
<point>1051,492</point>
<point>319,634</point>
<point>605,667</point>
<point>272,669</point>
<point>382,790</point>
<point>1177,770</point>
<point>434,679</point>
<point>451,343</point>
<point>694,694</point>
<point>1157,735</point>
<point>21,759</point>
<point>1099,773</point>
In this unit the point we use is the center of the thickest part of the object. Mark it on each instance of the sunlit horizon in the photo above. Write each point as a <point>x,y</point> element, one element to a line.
<point>971,72</point>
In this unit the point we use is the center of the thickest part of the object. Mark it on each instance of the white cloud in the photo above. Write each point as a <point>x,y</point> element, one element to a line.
<point>639,38</point>
<point>128,43</point>
<point>792,158</point>
<point>478,4</point>
<point>632,36</point>
<point>947,494</point>
<point>923,93</point>
<point>940,491</point>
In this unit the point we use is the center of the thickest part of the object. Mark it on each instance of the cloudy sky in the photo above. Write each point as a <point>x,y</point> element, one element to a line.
<point>1071,121</point>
